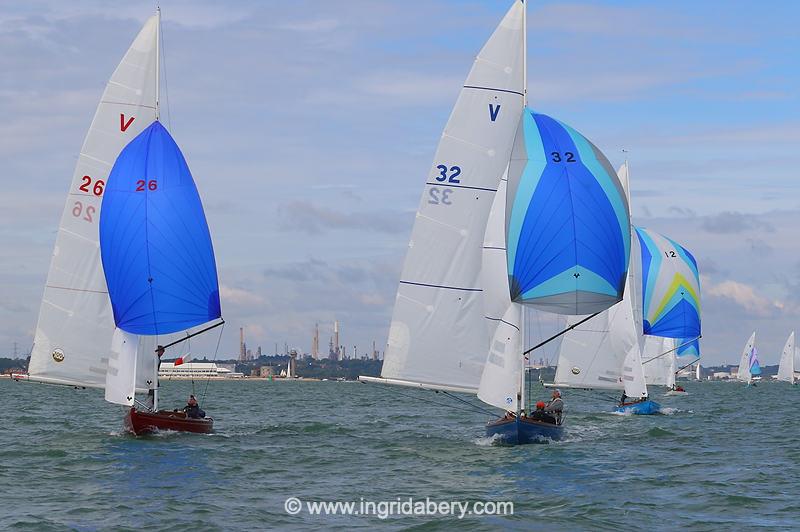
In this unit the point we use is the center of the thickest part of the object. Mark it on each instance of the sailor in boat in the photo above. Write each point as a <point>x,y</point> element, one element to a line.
<point>555,408</point>
<point>627,401</point>
<point>550,412</point>
<point>193,410</point>
<point>677,388</point>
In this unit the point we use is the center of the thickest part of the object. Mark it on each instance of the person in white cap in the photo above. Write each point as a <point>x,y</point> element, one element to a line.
<point>555,406</point>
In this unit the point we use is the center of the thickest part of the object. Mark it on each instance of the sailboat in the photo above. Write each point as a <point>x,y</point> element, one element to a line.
<point>610,351</point>
<point>787,363</point>
<point>670,303</point>
<point>744,374</point>
<point>109,288</point>
<point>519,210</point>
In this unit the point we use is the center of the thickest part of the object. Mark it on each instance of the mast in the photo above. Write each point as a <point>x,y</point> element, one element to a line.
<point>524,54</point>
<point>158,112</point>
<point>521,395</point>
<point>158,62</point>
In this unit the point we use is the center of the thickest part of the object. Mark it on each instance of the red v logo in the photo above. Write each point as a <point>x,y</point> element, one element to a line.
<point>123,125</point>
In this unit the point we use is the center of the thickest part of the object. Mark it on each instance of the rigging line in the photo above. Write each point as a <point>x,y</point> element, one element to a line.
<point>166,84</point>
<point>471,405</point>
<point>393,389</point>
<point>687,365</point>
<point>540,344</point>
<point>216,351</point>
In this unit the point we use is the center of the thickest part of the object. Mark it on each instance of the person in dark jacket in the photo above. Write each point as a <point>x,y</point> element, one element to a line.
<point>192,409</point>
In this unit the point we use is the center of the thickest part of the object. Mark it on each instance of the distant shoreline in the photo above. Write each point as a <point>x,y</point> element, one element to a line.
<point>274,379</point>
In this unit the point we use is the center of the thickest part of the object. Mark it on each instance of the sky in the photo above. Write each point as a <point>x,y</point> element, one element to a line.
<point>310,126</point>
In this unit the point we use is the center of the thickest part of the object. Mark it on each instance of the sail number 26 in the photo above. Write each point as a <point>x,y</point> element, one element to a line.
<point>151,185</point>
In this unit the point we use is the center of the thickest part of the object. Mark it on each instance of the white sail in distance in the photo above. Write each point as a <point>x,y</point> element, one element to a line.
<point>75,327</point>
<point>438,337</point>
<point>659,361</point>
<point>744,362</point>
<point>786,365</point>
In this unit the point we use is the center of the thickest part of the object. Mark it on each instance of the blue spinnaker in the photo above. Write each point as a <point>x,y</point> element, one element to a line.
<point>755,366</point>
<point>567,221</point>
<point>689,348</point>
<point>670,287</point>
<point>154,240</point>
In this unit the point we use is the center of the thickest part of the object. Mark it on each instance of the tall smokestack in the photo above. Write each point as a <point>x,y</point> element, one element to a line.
<point>242,352</point>
<point>315,343</point>
<point>336,337</point>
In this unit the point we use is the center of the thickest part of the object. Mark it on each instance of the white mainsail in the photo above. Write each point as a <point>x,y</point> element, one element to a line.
<point>659,368</point>
<point>74,332</point>
<point>438,337</point>
<point>786,366</point>
<point>593,354</point>
<point>744,361</point>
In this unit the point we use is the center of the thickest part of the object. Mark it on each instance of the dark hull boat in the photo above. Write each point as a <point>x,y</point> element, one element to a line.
<point>141,423</point>
<point>520,431</point>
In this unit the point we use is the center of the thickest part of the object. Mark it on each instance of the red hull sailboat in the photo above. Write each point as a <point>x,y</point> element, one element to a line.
<point>141,423</point>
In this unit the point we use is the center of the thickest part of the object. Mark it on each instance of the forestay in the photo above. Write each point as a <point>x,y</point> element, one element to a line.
<point>75,327</point>
<point>567,221</point>
<point>438,336</point>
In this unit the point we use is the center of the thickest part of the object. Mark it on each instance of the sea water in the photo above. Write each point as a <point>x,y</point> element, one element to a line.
<point>724,457</point>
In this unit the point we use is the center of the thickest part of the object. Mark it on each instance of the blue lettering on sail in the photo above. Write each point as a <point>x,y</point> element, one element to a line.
<point>494,111</point>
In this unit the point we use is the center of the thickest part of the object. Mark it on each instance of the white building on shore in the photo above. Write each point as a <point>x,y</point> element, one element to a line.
<point>194,370</point>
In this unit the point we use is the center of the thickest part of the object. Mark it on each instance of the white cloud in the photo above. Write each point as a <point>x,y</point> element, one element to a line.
<point>744,295</point>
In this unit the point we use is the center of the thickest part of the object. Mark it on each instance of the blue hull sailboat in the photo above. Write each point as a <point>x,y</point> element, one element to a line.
<point>642,408</point>
<point>523,430</point>
<point>507,221</point>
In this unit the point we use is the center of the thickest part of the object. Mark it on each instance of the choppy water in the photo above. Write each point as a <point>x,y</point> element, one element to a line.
<point>727,457</point>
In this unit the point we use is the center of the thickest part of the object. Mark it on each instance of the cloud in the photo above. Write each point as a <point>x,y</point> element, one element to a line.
<point>743,295</point>
<point>237,296</point>
<point>306,217</point>
<point>734,222</point>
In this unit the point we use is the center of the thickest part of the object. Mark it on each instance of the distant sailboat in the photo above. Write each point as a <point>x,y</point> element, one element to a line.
<point>495,231</point>
<point>744,374</point>
<point>787,364</point>
<point>96,275</point>
<point>670,303</point>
